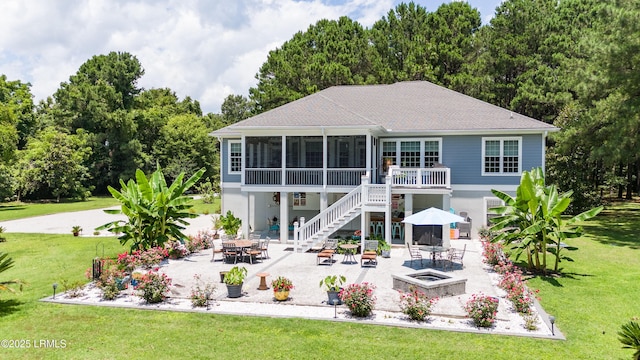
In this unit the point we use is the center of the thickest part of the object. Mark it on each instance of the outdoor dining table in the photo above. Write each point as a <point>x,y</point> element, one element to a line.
<point>243,244</point>
<point>434,250</point>
<point>349,253</point>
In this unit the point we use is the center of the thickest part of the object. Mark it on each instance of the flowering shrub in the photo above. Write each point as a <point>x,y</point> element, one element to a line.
<point>110,281</point>
<point>281,284</point>
<point>201,241</point>
<point>201,294</point>
<point>521,297</point>
<point>482,309</point>
<point>153,286</point>
<point>177,250</point>
<point>151,257</point>
<point>416,304</point>
<point>359,298</point>
<point>492,252</point>
<point>503,267</point>
<point>145,258</point>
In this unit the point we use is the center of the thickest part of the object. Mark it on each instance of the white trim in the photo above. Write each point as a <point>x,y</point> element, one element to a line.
<point>465,187</point>
<point>398,141</point>
<point>229,143</point>
<point>502,140</point>
<point>230,185</point>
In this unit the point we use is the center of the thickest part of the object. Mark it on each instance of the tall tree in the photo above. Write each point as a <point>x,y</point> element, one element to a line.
<point>51,165</point>
<point>329,53</point>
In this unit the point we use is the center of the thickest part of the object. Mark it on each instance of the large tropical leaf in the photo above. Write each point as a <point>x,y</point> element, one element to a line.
<point>629,336</point>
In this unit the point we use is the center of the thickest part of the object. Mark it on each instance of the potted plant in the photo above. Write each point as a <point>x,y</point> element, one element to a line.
<point>281,287</point>
<point>234,280</point>
<point>385,250</point>
<point>76,230</point>
<point>332,284</point>
<point>230,224</point>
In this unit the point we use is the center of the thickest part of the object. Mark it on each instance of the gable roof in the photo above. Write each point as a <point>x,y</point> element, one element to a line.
<point>413,106</point>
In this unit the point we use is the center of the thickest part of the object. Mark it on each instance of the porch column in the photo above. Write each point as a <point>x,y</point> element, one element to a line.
<point>324,201</point>
<point>446,236</point>
<point>283,161</point>
<point>245,226</point>
<point>387,211</point>
<point>284,217</point>
<point>408,210</point>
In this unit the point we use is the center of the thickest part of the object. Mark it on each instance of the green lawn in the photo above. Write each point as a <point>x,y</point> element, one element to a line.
<point>598,294</point>
<point>19,210</point>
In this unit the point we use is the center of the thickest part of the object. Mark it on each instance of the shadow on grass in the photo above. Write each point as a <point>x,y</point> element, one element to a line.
<point>9,306</point>
<point>617,225</point>
<point>11,207</point>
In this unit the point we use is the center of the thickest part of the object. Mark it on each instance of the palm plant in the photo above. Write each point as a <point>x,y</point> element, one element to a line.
<point>155,212</point>
<point>5,264</point>
<point>532,222</point>
<point>629,335</point>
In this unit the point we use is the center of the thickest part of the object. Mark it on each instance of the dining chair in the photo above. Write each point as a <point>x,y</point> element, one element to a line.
<point>264,247</point>
<point>230,251</point>
<point>415,254</point>
<point>456,255</point>
<point>253,252</point>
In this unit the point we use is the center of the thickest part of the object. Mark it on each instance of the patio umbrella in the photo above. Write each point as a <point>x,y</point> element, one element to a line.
<point>433,216</point>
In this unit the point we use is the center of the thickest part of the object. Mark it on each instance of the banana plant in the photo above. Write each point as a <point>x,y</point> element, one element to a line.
<point>533,222</point>
<point>5,264</point>
<point>155,212</point>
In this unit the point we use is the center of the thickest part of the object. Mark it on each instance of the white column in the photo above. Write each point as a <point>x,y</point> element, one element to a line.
<point>408,210</point>
<point>284,217</point>
<point>446,238</point>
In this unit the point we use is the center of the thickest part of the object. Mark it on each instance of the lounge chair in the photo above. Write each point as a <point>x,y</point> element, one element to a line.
<point>327,252</point>
<point>369,253</point>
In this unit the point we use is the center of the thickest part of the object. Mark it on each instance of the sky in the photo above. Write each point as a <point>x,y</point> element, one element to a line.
<point>205,49</point>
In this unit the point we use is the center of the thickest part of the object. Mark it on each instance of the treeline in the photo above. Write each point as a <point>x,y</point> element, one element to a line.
<point>573,63</point>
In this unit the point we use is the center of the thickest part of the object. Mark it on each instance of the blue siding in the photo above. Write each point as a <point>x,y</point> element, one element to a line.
<point>463,154</point>
<point>224,165</point>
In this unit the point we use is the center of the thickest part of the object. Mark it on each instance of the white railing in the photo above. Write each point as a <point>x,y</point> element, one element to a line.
<point>416,177</point>
<point>375,194</point>
<point>342,177</point>
<point>263,176</point>
<point>332,214</point>
<point>304,177</point>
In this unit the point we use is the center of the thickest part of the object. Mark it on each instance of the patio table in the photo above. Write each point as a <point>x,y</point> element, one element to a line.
<point>349,253</point>
<point>434,250</point>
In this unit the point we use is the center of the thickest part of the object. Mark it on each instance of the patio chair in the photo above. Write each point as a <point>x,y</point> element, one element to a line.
<point>216,250</point>
<point>264,247</point>
<point>456,255</point>
<point>370,253</point>
<point>415,253</point>
<point>253,252</point>
<point>230,251</point>
<point>327,251</point>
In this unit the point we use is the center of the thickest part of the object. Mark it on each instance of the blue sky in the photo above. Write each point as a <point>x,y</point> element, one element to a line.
<point>198,48</point>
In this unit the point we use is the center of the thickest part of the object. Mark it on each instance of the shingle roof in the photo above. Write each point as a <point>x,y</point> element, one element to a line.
<point>414,106</point>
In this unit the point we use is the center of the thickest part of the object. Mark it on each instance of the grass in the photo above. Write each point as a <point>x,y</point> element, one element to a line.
<point>18,210</point>
<point>596,296</point>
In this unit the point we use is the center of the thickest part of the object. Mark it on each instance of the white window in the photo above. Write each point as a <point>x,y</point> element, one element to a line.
<point>501,156</point>
<point>235,157</point>
<point>412,153</point>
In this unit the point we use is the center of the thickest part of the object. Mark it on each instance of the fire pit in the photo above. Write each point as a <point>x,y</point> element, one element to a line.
<point>432,282</point>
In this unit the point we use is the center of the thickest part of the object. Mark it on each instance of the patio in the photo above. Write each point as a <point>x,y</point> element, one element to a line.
<point>308,300</point>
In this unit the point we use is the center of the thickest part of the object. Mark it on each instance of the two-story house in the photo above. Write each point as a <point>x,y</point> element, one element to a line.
<point>363,157</point>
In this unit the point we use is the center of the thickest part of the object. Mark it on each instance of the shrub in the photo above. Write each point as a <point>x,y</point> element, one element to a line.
<point>178,250</point>
<point>201,293</point>
<point>629,336</point>
<point>492,252</point>
<point>416,304</point>
<point>201,241</point>
<point>110,281</point>
<point>359,298</point>
<point>154,286</point>
<point>482,309</point>
<point>73,289</point>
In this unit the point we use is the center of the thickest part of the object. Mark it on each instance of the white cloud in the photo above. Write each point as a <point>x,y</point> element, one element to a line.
<point>198,48</point>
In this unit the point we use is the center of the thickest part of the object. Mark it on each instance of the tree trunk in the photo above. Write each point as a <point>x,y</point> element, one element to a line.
<point>620,187</point>
<point>629,181</point>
